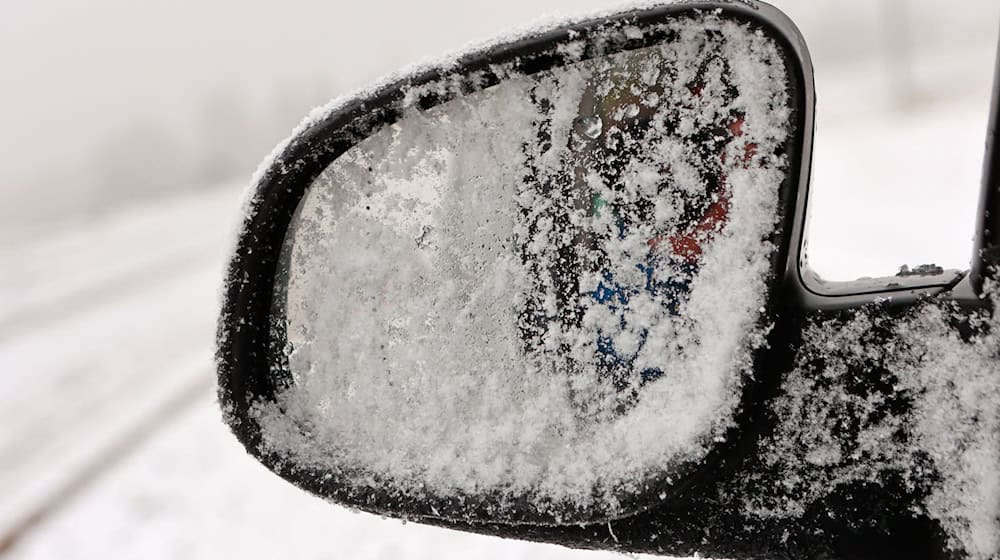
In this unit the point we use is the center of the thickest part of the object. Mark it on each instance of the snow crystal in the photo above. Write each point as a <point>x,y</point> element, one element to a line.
<point>549,288</point>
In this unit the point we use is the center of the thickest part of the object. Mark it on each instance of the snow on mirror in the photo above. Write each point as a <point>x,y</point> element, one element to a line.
<point>546,292</point>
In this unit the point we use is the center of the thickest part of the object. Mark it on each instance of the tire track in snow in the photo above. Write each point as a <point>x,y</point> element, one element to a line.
<point>105,336</point>
<point>104,461</point>
<point>75,388</point>
<point>102,292</point>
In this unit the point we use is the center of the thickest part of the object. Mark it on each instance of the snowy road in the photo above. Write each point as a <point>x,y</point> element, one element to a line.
<point>105,329</point>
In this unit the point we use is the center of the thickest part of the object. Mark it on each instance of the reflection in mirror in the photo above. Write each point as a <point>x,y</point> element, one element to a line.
<point>547,291</point>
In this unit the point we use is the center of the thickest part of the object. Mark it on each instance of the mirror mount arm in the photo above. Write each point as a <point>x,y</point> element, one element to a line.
<point>987,243</point>
<point>965,289</point>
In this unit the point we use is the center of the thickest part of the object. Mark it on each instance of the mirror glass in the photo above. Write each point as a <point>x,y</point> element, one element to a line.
<point>547,291</point>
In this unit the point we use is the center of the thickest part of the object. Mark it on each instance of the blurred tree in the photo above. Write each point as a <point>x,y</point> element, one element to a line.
<point>895,18</point>
<point>228,138</point>
<point>141,161</point>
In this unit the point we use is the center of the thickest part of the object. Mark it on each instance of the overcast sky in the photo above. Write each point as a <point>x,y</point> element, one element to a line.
<point>74,72</point>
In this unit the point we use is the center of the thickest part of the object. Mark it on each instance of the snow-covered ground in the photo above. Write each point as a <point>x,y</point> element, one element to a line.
<point>110,442</point>
<point>105,327</point>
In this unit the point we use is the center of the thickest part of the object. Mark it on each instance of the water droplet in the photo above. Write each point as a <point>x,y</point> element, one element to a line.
<point>631,110</point>
<point>591,126</point>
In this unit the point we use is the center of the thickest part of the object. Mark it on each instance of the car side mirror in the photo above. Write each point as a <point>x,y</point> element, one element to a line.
<point>544,290</point>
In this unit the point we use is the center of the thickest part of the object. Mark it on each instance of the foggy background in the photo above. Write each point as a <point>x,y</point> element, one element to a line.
<point>127,133</point>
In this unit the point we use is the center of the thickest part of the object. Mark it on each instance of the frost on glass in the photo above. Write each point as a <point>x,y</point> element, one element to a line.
<point>547,291</point>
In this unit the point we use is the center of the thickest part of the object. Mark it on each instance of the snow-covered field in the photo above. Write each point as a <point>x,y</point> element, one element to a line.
<point>106,329</point>
<point>111,445</point>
